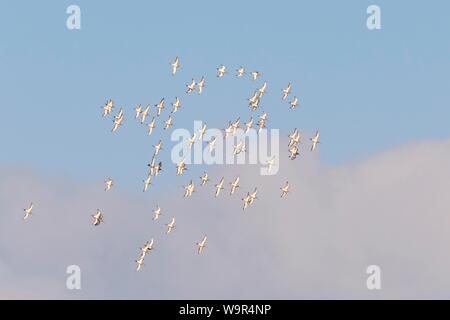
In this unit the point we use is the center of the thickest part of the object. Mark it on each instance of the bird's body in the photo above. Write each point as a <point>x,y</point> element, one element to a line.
<point>202,244</point>
<point>168,123</point>
<point>263,89</point>
<point>191,86</point>
<point>160,106</point>
<point>28,211</point>
<point>201,132</point>
<point>147,182</point>
<point>151,126</point>
<point>204,179</point>
<point>170,225</point>
<point>201,85</point>
<point>219,187</point>
<point>249,125</point>
<point>294,103</point>
<point>109,184</point>
<point>255,74</point>
<point>212,144</point>
<point>234,185</point>
<point>270,163</point>
<point>293,152</point>
<point>240,72</point>
<point>239,147</point>
<point>158,147</point>
<point>189,189</point>
<point>98,218</point>
<point>107,108</point>
<point>144,114</point>
<point>181,166</point>
<point>137,111</point>
<point>315,141</point>
<point>157,212</point>
<point>175,65</point>
<point>285,189</point>
<point>221,71</point>
<point>176,105</point>
<point>287,91</point>
<point>192,140</point>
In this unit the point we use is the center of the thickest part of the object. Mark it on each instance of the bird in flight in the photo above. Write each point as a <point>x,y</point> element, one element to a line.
<point>160,106</point>
<point>287,91</point>
<point>28,211</point>
<point>234,185</point>
<point>293,152</point>
<point>221,71</point>
<point>263,89</point>
<point>239,147</point>
<point>294,103</point>
<point>175,65</point>
<point>204,179</point>
<point>255,74</point>
<point>249,125</point>
<point>107,108</point>
<point>315,140</point>
<point>202,244</point>
<point>151,126</point>
<point>240,72</point>
<point>247,201</point>
<point>108,184</point>
<point>98,218</point>
<point>176,105</point>
<point>170,225</point>
<point>118,120</point>
<point>285,189</point>
<point>157,213</point>
<point>270,163</point>
<point>168,123</point>
<point>144,114</point>
<point>148,246</point>
<point>181,166</point>
<point>189,189</point>
<point>147,182</point>
<point>254,100</point>
<point>201,132</point>
<point>140,262</point>
<point>158,147</point>
<point>219,187</point>
<point>191,86</point>
<point>212,144</point>
<point>192,140</point>
<point>201,85</point>
<point>294,138</point>
<point>138,111</point>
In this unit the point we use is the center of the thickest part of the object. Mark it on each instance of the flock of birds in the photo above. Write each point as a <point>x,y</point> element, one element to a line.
<point>142,113</point>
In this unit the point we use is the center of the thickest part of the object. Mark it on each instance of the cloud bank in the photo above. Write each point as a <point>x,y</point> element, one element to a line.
<point>390,209</point>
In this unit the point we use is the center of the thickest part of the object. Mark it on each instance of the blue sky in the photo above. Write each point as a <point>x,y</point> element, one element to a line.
<point>365,90</point>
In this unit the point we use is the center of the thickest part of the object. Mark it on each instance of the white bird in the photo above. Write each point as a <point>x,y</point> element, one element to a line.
<point>315,141</point>
<point>238,148</point>
<point>240,72</point>
<point>98,218</point>
<point>228,130</point>
<point>109,184</point>
<point>181,166</point>
<point>176,105</point>
<point>249,125</point>
<point>159,107</point>
<point>118,120</point>
<point>151,126</point>
<point>170,225</point>
<point>247,201</point>
<point>158,147</point>
<point>147,182</point>
<point>293,152</point>
<point>202,244</point>
<point>212,144</point>
<point>204,179</point>
<point>148,246</point>
<point>294,103</point>
<point>263,89</point>
<point>138,111</point>
<point>285,189</point>
<point>270,163</point>
<point>287,91</point>
<point>140,262</point>
<point>221,71</point>
<point>28,211</point>
<point>107,108</point>
<point>236,125</point>
<point>144,113</point>
<point>154,168</point>
<point>234,185</point>
<point>190,87</point>
<point>201,85</point>
<point>254,100</point>
<point>189,189</point>
<point>253,196</point>
<point>201,132</point>
<point>294,138</point>
<point>192,140</point>
<point>219,187</point>
<point>168,123</point>
<point>255,74</point>
<point>175,65</point>
<point>157,213</point>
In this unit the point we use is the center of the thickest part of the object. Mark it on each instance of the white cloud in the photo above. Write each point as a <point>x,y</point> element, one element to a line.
<point>390,209</point>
